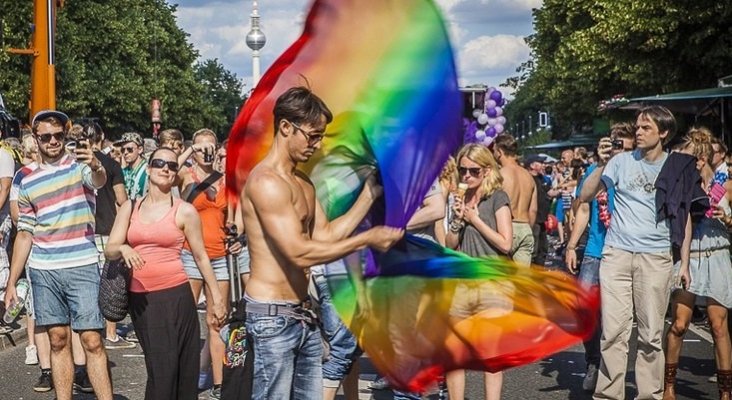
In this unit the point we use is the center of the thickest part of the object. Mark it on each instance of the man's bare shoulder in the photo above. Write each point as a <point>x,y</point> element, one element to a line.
<point>304,178</point>
<point>265,181</point>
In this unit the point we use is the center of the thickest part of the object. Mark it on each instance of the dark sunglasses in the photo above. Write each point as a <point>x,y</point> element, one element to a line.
<point>46,137</point>
<point>128,149</point>
<point>313,137</point>
<point>474,172</point>
<point>158,163</point>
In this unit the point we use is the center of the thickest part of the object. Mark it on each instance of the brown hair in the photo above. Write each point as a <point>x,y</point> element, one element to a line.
<point>507,144</point>
<point>300,105</point>
<point>622,130</point>
<point>662,117</point>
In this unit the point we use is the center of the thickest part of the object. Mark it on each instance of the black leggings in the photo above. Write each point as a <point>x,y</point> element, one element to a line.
<point>166,323</point>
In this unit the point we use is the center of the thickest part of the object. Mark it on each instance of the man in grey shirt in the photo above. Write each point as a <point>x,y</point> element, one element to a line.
<point>636,268</point>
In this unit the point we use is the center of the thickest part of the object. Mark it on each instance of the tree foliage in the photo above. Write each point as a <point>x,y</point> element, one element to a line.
<point>112,59</point>
<point>584,51</point>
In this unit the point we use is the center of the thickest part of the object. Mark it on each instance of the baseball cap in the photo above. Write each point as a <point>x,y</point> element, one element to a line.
<point>133,137</point>
<point>532,158</point>
<point>43,114</point>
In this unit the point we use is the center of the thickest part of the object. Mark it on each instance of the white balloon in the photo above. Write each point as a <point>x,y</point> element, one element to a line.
<point>480,134</point>
<point>490,104</point>
<point>483,119</point>
<point>501,120</point>
<point>499,111</point>
<point>491,90</point>
<point>476,113</point>
<point>492,121</point>
<point>498,128</point>
<point>487,141</point>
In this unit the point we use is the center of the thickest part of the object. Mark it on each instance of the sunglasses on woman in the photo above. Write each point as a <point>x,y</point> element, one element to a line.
<point>474,172</point>
<point>158,163</point>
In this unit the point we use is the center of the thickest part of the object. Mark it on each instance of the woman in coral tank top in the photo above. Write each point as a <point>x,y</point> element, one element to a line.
<point>150,238</point>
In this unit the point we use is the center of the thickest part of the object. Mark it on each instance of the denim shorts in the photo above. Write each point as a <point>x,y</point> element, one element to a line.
<point>67,296</point>
<point>220,269</point>
<point>344,350</point>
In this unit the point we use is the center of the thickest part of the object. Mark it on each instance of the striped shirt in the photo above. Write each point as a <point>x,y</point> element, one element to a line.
<point>57,205</point>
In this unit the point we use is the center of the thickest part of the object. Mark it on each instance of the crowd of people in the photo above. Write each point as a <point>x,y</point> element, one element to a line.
<point>71,199</point>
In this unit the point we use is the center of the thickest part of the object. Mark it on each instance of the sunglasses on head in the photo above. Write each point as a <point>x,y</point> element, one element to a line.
<point>158,163</point>
<point>46,137</point>
<point>474,172</point>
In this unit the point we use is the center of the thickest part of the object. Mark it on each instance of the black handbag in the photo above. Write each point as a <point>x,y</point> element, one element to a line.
<point>114,287</point>
<point>113,290</point>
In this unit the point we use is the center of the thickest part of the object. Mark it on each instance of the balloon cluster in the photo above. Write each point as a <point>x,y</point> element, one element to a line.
<point>488,123</point>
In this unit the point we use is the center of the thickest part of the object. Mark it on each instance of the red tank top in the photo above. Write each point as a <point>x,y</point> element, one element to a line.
<point>159,244</point>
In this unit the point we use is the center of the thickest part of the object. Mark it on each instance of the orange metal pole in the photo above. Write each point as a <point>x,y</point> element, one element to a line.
<point>43,71</point>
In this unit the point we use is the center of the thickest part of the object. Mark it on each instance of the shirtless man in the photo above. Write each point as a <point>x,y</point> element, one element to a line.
<point>521,189</point>
<point>288,232</point>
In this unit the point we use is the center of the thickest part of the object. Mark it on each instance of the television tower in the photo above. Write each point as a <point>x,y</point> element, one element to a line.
<point>255,41</point>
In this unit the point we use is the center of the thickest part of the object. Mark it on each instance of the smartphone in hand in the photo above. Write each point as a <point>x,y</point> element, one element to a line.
<point>716,194</point>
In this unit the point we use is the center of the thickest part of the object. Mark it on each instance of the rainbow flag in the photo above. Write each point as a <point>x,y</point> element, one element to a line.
<point>386,70</point>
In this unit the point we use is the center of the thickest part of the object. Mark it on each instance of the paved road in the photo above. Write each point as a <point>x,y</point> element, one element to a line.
<point>557,377</point>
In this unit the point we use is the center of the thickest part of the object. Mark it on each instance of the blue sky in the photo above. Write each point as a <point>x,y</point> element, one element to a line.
<point>487,34</point>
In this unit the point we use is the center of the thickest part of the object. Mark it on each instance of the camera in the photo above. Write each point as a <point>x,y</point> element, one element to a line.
<point>618,144</point>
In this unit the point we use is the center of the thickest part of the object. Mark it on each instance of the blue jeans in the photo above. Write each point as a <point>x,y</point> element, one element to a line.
<point>288,357</point>
<point>590,276</point>
<point>67,296</point>
<point>343,347</point>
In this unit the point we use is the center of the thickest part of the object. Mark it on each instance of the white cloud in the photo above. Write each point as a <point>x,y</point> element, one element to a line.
<point>492,55</point>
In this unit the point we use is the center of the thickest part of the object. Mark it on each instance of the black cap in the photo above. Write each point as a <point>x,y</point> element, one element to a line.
<point>532,158</point>
<point>41,115</point>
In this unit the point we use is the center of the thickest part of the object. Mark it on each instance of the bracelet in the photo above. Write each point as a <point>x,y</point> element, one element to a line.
<point>456,225</point>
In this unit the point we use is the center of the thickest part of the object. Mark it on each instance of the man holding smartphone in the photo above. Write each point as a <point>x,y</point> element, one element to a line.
<point>637,264</point>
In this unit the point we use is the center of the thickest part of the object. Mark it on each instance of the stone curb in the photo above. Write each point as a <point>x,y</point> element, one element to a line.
<point>13,339</point>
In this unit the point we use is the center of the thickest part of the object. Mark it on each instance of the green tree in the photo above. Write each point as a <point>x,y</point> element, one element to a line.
<point>223,92</point>
<point>585,51</point>
<point>113,58</point>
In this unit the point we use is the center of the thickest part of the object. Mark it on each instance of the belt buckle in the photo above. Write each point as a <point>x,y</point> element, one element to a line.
<point>272,310</point>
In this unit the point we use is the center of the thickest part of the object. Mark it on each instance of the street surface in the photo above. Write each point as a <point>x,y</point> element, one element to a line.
<point>557,377</point>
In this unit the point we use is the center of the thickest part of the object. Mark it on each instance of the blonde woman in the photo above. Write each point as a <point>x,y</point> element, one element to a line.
<point>480,226</point>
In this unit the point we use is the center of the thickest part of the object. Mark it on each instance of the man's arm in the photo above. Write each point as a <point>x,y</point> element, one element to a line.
<point>581,218</point>
<point>592,185</point>
<point>534,205</point>
<point>21,250</point>
<point>272,201</point>
<point>343,226</point>
<point>432,210</point>
<point>120,194</point>
<point>5,184</point>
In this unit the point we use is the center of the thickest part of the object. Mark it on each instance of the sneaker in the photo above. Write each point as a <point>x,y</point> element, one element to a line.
<point>379,384</point>
<point>82,383</point>
<point>131,337</point>
<point>31,355</point>
<point>118,343</point>
<point>215,393</point>
<point>44,384</point>
<point>590,381</point>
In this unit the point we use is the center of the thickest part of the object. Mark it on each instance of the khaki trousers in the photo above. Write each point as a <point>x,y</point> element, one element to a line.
<point>523,243</point>
<point>629,281</point>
